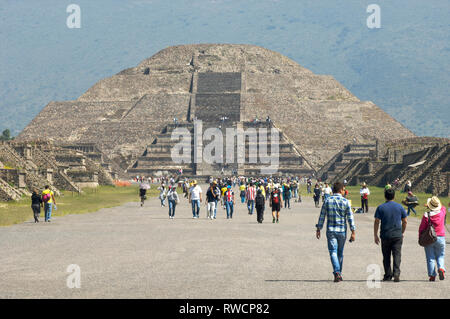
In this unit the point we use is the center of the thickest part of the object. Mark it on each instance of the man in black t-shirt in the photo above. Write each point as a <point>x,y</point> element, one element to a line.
<point>276,202</point>
<point>392,217</point>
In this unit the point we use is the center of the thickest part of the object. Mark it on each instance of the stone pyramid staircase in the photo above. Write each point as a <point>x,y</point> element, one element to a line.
<point>157,157</point>
<point>340,161</point>
<point>8,193</point>
<point>216,102</point>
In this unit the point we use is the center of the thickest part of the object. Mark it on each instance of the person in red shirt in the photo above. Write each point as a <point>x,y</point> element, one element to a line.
<point>276,203</point>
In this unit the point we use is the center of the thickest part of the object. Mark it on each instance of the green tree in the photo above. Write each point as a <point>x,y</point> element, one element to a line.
<point>6,135</point>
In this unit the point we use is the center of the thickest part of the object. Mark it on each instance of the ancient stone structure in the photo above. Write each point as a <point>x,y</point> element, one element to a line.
<point>425,161</point>
<point>128,115</point>
<point>34,164</point>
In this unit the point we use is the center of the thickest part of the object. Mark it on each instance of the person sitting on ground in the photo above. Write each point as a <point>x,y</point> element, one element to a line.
<point>411,202</point>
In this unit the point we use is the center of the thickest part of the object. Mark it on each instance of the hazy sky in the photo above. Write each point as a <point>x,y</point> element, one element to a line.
<point>403,67</point>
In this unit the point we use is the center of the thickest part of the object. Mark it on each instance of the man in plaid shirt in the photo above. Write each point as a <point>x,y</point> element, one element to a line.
<point>338,212</point>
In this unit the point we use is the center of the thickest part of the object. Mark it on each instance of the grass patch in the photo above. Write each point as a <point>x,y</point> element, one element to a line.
<point>72,203</point>
<point>377,198</point>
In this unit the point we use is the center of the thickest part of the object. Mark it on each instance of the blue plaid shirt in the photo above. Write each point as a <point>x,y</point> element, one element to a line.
<point>337,210</point>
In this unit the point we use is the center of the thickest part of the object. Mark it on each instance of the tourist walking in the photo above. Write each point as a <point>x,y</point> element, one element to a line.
<point>337,211</point>
<point>287,195</point>
<point>143,191</point>
<point>242,192</point>
<point>36,204</point>
<point>408,187</point>
<point>195,199</point>
<point>260,202</point>
<point>364,192</point>
<point>162,194</point>
<point>411,202</point>
<point>316,195</point>
<point>309,186</point>
<point>218,193</point>
<point>173,199</point>
<point>211,200</point>
<point>229,201</point>
<point>327,191</point>
<point>435,252</point>
<point>49,200</point>
<point>392,217</point>
<point>250,197</point>
<point>275,203</point>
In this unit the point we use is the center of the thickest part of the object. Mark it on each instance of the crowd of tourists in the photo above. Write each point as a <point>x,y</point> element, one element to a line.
<point>253,192</point>
<point>282,192</point>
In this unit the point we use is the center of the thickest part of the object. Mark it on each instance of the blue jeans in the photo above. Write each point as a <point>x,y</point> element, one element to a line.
<point>196,207</point>
<point>230,208</point>
<point>172,205</point>
<point>287,202</point>
<point>250,206</point>
<point>48,211</point>
<point>435,253</point>
<point>411,208</point>
<point>336,242</point>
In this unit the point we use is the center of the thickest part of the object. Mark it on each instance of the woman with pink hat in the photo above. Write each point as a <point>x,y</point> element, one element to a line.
<point>435,252</point>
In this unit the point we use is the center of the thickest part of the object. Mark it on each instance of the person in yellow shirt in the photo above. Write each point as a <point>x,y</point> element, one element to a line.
<point>223,190</point>
<point>263,190</point>
<point>242,194</point>
<point>49,200</point>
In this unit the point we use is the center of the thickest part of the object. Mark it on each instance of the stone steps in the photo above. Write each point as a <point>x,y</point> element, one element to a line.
<point>7,192</point>
<point>211,82</point>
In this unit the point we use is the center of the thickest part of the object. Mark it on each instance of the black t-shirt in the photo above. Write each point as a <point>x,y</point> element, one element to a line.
<point>36,199</point>
<point>211,195</point>
<point>317,192</point>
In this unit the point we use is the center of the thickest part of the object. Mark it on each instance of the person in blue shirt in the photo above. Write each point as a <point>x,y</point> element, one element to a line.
<point>392,217</point>
<point>337,210</point>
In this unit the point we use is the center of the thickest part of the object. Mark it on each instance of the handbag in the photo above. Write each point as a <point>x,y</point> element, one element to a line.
<point>428,236</point>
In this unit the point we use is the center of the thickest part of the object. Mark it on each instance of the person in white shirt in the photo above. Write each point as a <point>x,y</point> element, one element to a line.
<point>364,192</point>
<point>162,194</point>
<point>172,197</point>
<point>195,198</point>
<point>327,191</point>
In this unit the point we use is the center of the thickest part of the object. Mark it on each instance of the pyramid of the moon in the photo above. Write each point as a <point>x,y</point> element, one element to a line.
<point>131,110</point>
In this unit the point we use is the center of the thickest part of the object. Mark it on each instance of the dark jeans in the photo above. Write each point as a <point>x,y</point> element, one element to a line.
<point>391,246</point>
<point>259,214</point>
<point>287,202</point>
<point>36,212</point>
<point>365,205</point>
